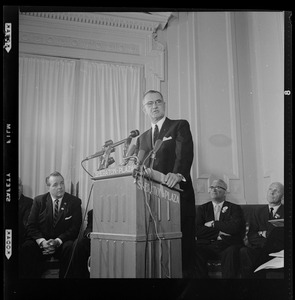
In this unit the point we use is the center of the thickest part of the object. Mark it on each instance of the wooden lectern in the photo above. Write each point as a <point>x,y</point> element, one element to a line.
<point>136,228</point>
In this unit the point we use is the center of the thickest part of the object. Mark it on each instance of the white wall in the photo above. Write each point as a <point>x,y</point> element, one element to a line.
<point>225,75</point>
<point>267,63</point>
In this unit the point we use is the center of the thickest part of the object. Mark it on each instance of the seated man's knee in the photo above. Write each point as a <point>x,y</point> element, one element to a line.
<point>231,250</point>
<point>244,251</point>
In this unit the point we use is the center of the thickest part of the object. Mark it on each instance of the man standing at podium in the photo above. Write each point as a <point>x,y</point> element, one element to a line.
<point>174,159</point>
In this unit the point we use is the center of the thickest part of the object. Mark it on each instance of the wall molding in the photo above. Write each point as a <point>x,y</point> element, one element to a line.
<point>235,190</point>
<point>131,21</point>
<point>129,38</point>
<point>79,43</point>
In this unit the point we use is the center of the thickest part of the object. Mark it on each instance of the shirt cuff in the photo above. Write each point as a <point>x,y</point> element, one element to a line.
<point>60,241</point>
<point>39,241</point>
<point>182,177</point>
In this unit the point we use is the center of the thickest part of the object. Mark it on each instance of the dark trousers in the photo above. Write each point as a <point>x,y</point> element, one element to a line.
<point>187,245</point>
<point>228,254</point>
<point>80,258</point>
<point>32,260</point>
<point>252,258</point>
<point>248,258</point>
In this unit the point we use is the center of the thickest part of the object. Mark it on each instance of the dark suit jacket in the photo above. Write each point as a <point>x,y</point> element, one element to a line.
<point>175,155</point>
<point>40,222</point>
<point>231,221</point>
<point>24,208</point>
<point>259,222</point>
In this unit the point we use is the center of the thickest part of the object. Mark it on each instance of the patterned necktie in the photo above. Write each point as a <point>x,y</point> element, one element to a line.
<point>55,211</point>
<point>271,213</point>
<point>156,134</point>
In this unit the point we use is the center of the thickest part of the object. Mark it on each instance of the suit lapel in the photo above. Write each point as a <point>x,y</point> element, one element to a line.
<point>49,208</point>
<point>222,214</point>
<point>164,129</point>
<point>149,139</point>
<point>211,211</point>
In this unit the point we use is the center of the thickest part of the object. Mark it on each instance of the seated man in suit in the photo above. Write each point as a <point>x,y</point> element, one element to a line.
<point>220,228</point>
<point>53,225</point>
<point>264,238</point>
<point>82,250</point>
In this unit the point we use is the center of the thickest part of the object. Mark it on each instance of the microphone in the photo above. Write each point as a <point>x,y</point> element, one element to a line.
<point>133,133</point>
<point>127,142</point>
<point>140,156</point>
<point>140,160</point>
<point>111,145</point>
<point>129,154</point>
<point>126,146</point>
<point>157,146</point>
<point>131,150</point>
<point>99,153</point>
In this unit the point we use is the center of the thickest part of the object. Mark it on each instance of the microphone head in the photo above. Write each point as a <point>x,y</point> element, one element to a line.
<point>157,146</point>
<point>134,133</point>
<point>140,156</point>
<point>108,143</point>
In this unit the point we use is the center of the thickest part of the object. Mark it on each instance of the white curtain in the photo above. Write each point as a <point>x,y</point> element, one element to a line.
<point>108,107</point>
<point>67,110</point>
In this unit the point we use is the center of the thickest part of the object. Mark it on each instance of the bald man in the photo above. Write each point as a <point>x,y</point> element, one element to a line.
<point>263,237</point>
<point>219,233</point>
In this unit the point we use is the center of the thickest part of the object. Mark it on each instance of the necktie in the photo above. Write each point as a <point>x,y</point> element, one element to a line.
<point>156,134</point>
<point>271,213</point>
<point>55,211</point>
<point>245,239</point>
<point>217,212</point>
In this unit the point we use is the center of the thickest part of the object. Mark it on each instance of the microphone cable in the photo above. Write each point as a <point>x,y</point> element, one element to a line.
<point>80,232</point>
<point>85,169</point>
<point>149,178</point>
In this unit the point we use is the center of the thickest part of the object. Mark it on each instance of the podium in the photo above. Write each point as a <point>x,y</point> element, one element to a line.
<point>136,228</point>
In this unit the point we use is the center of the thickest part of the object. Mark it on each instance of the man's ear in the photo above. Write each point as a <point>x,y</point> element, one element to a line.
<point>144,110</point>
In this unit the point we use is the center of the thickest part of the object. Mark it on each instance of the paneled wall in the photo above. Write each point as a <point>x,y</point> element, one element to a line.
<point>226,75</point>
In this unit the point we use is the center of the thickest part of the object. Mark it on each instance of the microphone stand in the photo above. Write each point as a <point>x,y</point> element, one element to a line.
<point>104,159</point>
<point>126,146</point>
<point>153,157</point>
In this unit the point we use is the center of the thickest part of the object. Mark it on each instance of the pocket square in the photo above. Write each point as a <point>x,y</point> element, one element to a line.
<point>67,218</point>
<point>167,138</point>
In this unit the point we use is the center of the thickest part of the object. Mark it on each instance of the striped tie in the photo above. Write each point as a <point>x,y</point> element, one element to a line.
<point>55,212</point>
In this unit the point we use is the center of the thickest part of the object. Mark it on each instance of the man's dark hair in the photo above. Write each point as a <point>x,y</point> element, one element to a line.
<point>53,174</point>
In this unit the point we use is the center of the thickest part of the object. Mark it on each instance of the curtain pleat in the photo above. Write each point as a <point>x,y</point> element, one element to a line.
<point>67,110</point>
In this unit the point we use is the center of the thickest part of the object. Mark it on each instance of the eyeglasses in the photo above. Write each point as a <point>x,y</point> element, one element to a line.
<point>217,188</point>
<point>151,103</point>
